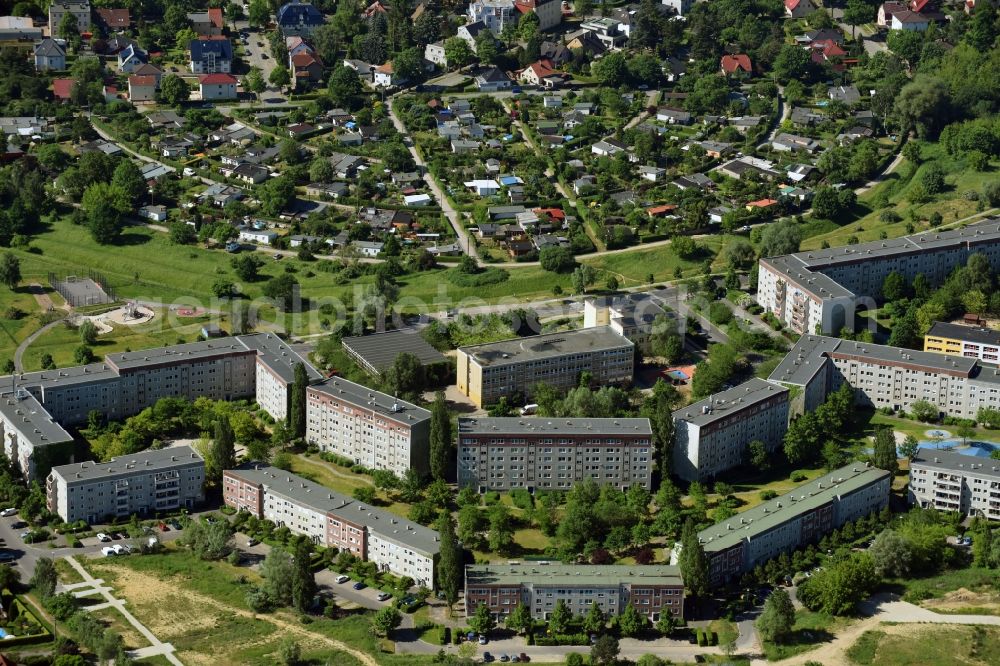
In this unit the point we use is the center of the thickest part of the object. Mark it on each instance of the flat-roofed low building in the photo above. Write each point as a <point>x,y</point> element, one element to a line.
<point>490,371</point>
<point>395,544</point>
<point>652,589</point>
<point>949,481</point>
<point>502,453</point>
<point>736,545</point>
<point>144,483</point>
<point>958,340</point>
<point>371,428</point>
<point>714,434</point>
<point>378,351</point>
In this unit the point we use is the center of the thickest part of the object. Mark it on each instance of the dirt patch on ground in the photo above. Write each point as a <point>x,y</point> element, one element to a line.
<point>964,598</point>
<point>41,297</point>
<point>173,613</point>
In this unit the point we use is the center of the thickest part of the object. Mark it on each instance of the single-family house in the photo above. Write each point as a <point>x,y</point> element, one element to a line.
<point>221,194</point>
<point>211,56</point>
<point>367,248</point>
<point>470,33</point>
<point>113,20</point>
<point>259,236</point>
<point>584,185</point>
<point>607,147</point>
<point>846,94</point>
<point>49,56</point>
<point>694,181</point>
<point>492,79</point>
<point>141,88</point>
<point>327,190</point>
<point>907,20</point>
<point>605,30</point>
<point>734,64</point>
<point>149,69</point>
<point>460,146</point>
<point>217,86</point>
<point>806,117</point>
<point>208,22</point>
<point>483,187</point>
<point>718,213</point>
<point>654,174</point>
<point>673,116</point>
<point>536,74</point>
<point>799,172</point>
<point>131,58</point>
<point>245,172</point>
<point>417,200</point>
<point>306,69</point>
<point>798,8</point>
<point>435,53</point>
<point>787,143</point>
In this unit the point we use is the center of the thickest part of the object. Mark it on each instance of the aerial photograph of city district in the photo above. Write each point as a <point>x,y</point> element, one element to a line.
<point>569,332</point>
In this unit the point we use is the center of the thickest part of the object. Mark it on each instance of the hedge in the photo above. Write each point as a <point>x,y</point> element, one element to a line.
<point>19,610</point>
<point>563,639</point>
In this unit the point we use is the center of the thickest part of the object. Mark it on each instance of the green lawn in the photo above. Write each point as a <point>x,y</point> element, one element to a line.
<point>809,631</point>
<point>950,204</point>
<point>972,578</point>
<point>863,650</point>
<point>635,266</point>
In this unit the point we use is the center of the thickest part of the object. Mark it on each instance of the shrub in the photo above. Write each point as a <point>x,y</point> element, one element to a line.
<point>767,495</point>
<point>798,475</point>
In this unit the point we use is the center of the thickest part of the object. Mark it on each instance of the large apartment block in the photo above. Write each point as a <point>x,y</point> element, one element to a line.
<point>714,434</point>
<point>890,377</point>
<point>632,316</point>
<point>35,406</point>
<point>553,454</point>
<point>751,538</point>
<point>817,291</point>
<point>490,371</point>
<point>330,519</point>
<point>145,483</point>
<point>949,481</point>
<point>371,428</point>
<point>968,341</point>
<point>652,589</point>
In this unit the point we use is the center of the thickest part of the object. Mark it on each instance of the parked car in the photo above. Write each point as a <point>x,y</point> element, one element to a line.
<point>343,579</point>
<point>102,537</point>
<point>251,542</point>
<point>383,596</point>
<point>483,640</point>
<point>109,551</point>
<point>18,525</point>
<point>7,556</point>
<point>359,585</point>
<point>504,658</point>
<point>487,658</point>
<point>8,512</point>
<point>163,527</point>
<point>524,658</point>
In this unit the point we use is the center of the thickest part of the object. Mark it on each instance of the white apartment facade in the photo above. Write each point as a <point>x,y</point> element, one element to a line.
<point>714,434</point>
<point>553,454</point>
<point>949,481</point>
<point>145,483</point>
<point>818,291</point>
<point>495,14</point>
<point>371,428</point>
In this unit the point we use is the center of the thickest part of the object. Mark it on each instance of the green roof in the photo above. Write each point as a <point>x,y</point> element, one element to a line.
<point>773,513</point>
<point>587,575</point>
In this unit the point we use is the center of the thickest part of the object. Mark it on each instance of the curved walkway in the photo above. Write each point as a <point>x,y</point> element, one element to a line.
<point>21,348</point>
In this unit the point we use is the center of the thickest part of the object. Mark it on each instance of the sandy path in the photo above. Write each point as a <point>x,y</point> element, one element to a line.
<point>148,594</point>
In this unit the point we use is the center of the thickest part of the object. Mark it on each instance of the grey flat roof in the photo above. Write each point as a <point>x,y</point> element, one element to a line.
<point>725,404</point>
<point>955,462</point>
<point>519,350</point>
<point>977,334</point>
<point>804,360</point>
<point>379,350</point>
<point>278,356</point>
<point>321,498</point>
<point>369,398</point>
<point>78,374</point>
<point>174,353</point>
<point>805,268</point>
<point>528,425</point>
<point>572,575</point>
<point>25,414</point>
<point>772,513</point>
<point>144,461</point>
<point>931,361</point>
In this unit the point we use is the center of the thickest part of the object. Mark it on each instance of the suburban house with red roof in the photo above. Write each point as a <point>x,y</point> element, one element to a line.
<point>306,68</point>
<point>142,88</point>
<point>541,74</point>
<point>799,8</point>
<point>829,51</point>
<point>737,63</point>
<point>218,86</point>
<point>61,89</point>
<point>208,22</point>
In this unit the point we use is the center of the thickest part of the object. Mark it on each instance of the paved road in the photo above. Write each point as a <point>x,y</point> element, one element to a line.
<point>880,177</point>
<point>254,57</point>
<point>454,218</point>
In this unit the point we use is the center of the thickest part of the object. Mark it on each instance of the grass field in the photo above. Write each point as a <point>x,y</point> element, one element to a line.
<point>67,574</point>
<point>200,608</point>
<point>928,645</point>
<point>897,187</point>
<point>808,633</point>
<point>934,587</point>
<point>114,620</point>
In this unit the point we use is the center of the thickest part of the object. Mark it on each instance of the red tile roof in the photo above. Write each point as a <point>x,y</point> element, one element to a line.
<point>763,203</point>
<point>114,18</point>
<point>215,16</point>
<point>61,88</point>
<point>143,80</point>
<point>661,210</point>
<point>790,5</point>
<point>303,59</point>
<point>733,63</point>
<point>217,79</point>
